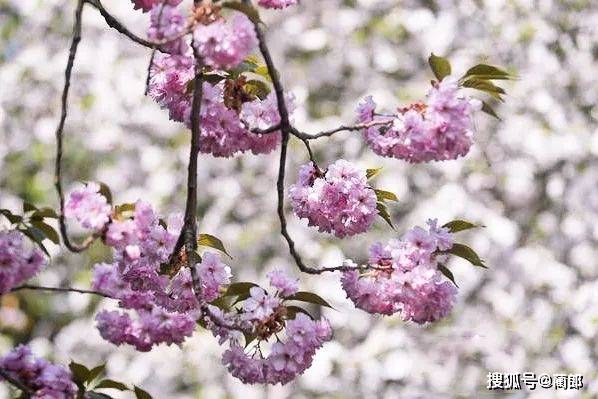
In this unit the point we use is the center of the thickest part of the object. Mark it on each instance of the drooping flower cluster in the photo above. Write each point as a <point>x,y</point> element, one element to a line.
<point>156,309</point>
<point>287,359</point>
<point>88,207</point>
<point>337,201</point>
<point>277,3</point>
<point>46,380</point>
<point>440,129</point>
<point>19,259</point>
<point>403,276</point>
<point>225,130</point>
<point>264,315</point>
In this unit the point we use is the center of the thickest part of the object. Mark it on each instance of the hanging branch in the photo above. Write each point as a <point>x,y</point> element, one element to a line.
<point>60,132</point>
<point>286,130</point>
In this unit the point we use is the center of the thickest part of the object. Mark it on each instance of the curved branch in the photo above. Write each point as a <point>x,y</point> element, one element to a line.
<point>60,289</point>
<point>60,129</point>
<point>343,128</point>
<point>286,129</point>
<point>115,24</point>
<point>28,392</point>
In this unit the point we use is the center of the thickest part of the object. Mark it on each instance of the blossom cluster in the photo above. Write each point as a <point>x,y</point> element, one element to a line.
<point>154,308</point>
<point>19,259</point>
<point>89,207</point>
<point>225,130</point>
<point>224,44</point>
<point>337,201</point>
<point>46,380</point>
<point>167,23</point>
<point>287,358</point>
<point>403,276</point>
<point>265,315</point>
<point>439,129</point>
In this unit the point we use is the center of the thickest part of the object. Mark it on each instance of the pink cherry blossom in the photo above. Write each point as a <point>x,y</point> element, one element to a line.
<point>20,259</point>
<point>337,201</point>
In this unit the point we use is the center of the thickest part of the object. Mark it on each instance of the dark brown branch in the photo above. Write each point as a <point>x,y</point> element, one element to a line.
<point>60,129</point>
<point>27,392</point>
<point>115,24</point>
<point>268,130</point>
<point>60,289</point>
<point>286,130</point>
<point>328,133</point>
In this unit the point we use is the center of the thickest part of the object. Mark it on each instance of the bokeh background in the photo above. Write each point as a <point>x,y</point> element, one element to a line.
<point>531,178</point>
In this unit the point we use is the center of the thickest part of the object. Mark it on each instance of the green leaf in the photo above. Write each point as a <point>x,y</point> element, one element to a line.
<point>309,297</point>
<point>292,312</point>
<point>208,240</point>
<point>249,338</point>
<point>80,372</point>
<point>382,195</point>
<point>97,395</point>
<point>27,207</point>
<point>126,207</point>
<point>459,225</point>
<point>257,88</point>
<point>111,384</point>
<point>36,236</point>
<point>47,230</point>
<point>213,78</point>
<point>241,288</point>
<point>44,213</point>
<point>371,173</point>
<point>440,66</point>
<point>95,372</point>
<point>465,252</point>
<point>105,191</point>
<point>485,86</point>
<point>245,8</point>
<point>223,302</point>
<point>444,270</point>
<point>14,219</point>
<point>262,70</point>
<point>487,72</point>
<point>383,212</point>
<point>141,394</point>
<point>489,110</point>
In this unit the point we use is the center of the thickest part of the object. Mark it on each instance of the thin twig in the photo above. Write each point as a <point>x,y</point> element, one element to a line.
<point>60,289</point>
<point>328,133</point>
<point>27,392</point>
<point>115,24</point>
<point>60,129</point>
<point>271,129</point>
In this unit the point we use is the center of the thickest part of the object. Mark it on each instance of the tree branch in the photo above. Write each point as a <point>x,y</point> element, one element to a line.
<point>286,130</point>
<point>115,24</point>
<point>60,129</point>
<point>268,130</point>
<point>60,289</point>
<point>27,392</point>
<point>343,128</point>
